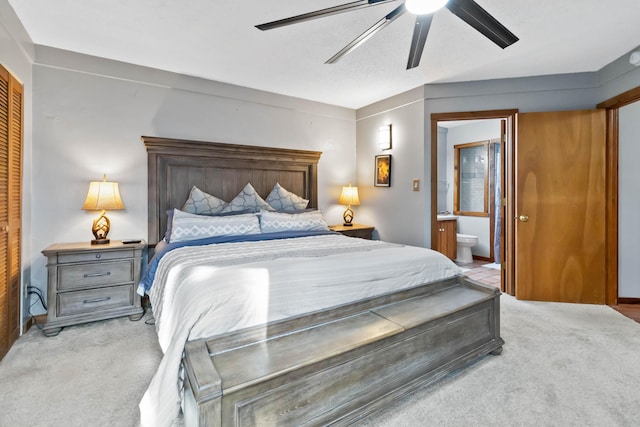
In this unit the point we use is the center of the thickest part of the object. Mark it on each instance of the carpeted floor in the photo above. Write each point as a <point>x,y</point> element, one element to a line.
<point>562,365</point>
<point>89,375</point>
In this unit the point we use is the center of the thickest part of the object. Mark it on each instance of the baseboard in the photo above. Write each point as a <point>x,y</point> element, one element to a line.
<point>482,258</point>
<point>628,300</point>
<point>40,319</point>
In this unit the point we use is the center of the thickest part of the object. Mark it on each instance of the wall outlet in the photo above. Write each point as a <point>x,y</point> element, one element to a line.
<point>416,185</point>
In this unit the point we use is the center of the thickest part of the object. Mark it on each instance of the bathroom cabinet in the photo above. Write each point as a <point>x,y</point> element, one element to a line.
<point>447,242</point>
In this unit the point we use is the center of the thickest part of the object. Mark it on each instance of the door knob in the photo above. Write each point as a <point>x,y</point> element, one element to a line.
<point>523,218</point>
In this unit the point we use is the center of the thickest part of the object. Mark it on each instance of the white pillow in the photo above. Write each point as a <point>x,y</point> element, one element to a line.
<point>284,201</point>
<point>187,226</point>
<point>271,222</point>
<point>201,203</point>
<point>247,200</point>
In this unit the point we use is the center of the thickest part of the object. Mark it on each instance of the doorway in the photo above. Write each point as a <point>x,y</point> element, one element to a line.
<point>613,106</point>
<point>469,167</point>
<point>496,129</point>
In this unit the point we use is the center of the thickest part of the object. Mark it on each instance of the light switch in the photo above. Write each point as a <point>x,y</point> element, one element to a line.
<point>416,185</point>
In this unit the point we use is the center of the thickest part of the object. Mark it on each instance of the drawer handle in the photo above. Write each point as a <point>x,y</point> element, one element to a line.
<point>108,273</point>
<point>90,301</point>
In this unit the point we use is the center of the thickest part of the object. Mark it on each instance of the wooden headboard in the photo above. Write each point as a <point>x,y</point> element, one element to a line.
<point>175,165</point>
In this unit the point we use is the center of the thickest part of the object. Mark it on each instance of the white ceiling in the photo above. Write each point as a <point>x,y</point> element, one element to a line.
<point>217,40</point>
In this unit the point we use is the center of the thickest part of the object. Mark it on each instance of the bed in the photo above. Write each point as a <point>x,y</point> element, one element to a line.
<point>311,328</point>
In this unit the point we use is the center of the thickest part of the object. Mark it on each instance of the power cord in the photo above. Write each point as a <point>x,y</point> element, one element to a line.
<point>32,290</point>
<point>37,291</point>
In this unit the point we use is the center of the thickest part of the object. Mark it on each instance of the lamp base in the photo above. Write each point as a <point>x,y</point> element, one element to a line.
<point>100,241</point>
<point>347,216</point>
<point>100,230</point>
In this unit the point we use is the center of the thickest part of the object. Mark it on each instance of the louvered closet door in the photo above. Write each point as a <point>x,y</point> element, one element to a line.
<point>10,208</point>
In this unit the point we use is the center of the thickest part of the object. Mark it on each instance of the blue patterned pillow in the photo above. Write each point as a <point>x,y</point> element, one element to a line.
<point>284,201</point>
<point>167,234</point>
<point>187,226</point>
<point>201,203</point>
<point>271,222</point>
<point>247,200</point>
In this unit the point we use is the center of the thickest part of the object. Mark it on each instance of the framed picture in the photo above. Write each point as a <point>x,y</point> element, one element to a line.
<point>383,171</point>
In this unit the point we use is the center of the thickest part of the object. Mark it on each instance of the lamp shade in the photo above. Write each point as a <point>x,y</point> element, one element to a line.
<point>349,196</point>
<point>103,196</point>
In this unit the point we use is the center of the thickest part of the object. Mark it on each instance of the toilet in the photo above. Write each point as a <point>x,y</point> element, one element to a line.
<point>465,243</point>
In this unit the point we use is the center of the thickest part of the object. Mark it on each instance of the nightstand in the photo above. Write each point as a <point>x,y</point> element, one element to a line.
<point>92,282</point>
<point>356,230</point>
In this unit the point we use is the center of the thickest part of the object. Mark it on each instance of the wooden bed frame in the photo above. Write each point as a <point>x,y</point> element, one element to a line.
<point>330,367</point>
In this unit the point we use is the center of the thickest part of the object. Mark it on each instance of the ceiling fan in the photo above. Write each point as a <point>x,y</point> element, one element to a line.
<point>467,10</point>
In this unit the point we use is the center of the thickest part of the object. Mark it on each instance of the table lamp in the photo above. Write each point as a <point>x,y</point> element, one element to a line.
<point>349,196</point>
<point>102,196</point>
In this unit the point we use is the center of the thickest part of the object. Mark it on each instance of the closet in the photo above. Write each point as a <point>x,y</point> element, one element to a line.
<point>11,123</point>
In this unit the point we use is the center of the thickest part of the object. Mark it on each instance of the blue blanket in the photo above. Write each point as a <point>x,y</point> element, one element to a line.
<point>150,270</point>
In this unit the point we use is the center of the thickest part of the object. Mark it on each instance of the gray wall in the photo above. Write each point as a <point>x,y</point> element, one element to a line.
<point>395,211</point>
<point>548,93</point>
<point>88,117</point>
<point>17,56</point>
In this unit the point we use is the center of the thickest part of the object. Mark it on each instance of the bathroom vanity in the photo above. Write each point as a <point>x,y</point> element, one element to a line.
<point>447,231</point>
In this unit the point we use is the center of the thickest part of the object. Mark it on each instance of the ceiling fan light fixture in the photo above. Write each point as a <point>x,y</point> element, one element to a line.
<point>424,7</point>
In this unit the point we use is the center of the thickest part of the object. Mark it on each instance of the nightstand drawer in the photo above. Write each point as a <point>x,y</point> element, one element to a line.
<point>64,258</point>
<point>87,275</point>
<point>81,302</point>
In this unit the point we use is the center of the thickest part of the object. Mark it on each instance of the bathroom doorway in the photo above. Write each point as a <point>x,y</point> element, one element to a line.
<point>490,134</point>
<point>469,166</point>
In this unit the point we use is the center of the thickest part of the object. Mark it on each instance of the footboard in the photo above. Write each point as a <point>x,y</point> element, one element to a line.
<point>337,366</point>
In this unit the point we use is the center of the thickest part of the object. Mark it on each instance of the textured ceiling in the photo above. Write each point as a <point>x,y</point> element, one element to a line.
<point>217,40</point>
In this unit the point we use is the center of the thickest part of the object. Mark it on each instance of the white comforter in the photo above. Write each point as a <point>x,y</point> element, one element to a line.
<point>208,290</point>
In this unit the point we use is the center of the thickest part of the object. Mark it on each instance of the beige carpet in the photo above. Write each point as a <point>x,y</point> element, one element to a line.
<point>562,365</point>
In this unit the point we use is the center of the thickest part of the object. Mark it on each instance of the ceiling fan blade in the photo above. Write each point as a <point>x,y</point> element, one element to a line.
<point>321,13</point>
<point>392,16</point>
<point>420,33</point>
<point>471,13</point>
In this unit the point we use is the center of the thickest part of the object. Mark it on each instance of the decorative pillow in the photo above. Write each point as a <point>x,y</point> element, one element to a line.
<point>167,234</point>
<point>247,200</point>
<point>271,222</point>
<point>187,226</point>
<point>284,201</point>
<point>201,203</point>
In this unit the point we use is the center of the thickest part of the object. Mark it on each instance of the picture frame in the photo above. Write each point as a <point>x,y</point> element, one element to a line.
<point>382,170</point>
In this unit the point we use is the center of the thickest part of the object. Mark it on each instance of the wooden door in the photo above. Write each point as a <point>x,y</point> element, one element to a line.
<point>10,208</point>
<point>560,207</point>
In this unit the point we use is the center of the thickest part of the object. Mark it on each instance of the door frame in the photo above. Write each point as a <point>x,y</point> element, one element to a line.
<point>507,273</point>
<point>612,107</point>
